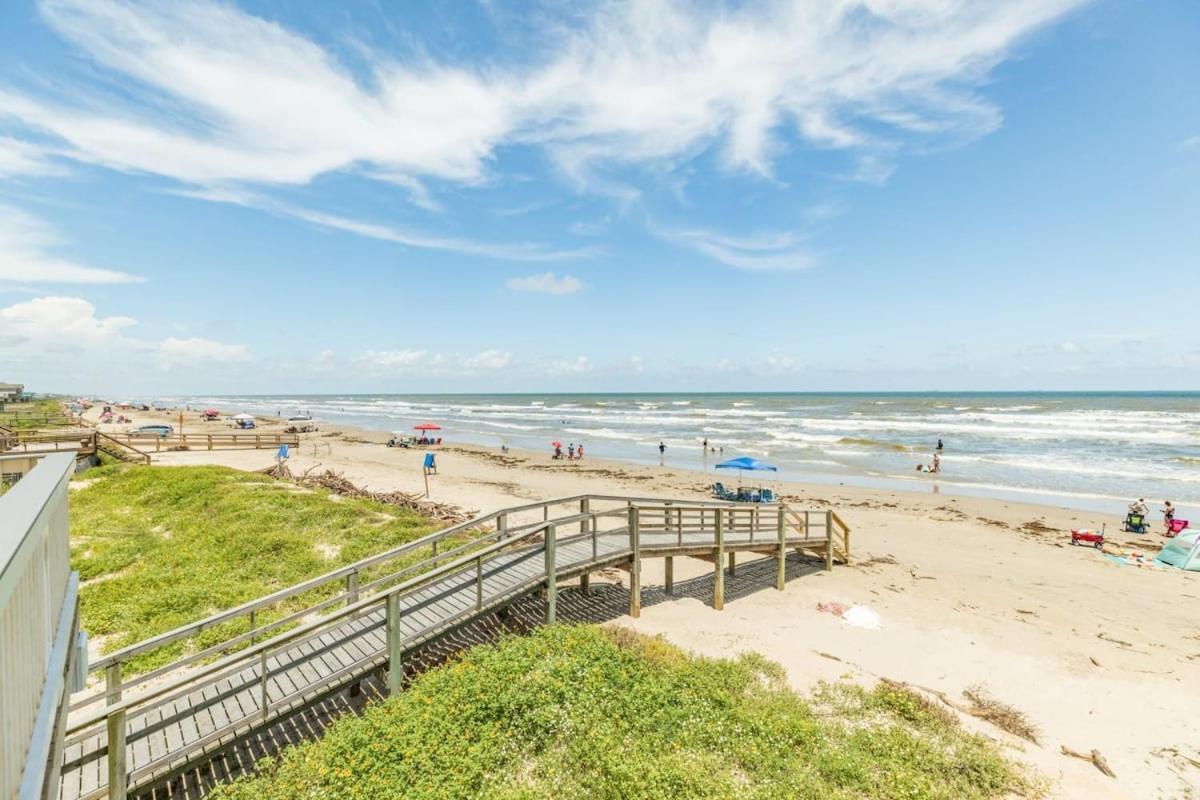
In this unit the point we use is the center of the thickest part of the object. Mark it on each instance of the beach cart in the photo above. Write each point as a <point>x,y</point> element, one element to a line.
<point>1084,536</point>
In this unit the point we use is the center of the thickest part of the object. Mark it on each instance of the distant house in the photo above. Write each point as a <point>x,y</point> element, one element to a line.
<point>11,392</point>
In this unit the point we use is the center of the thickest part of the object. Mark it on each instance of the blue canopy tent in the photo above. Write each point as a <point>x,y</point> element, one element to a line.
<point>743,463</point>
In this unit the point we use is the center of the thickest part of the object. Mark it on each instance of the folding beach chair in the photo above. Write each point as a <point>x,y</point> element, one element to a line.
<point>430,464</point>
<point>1135,523</point>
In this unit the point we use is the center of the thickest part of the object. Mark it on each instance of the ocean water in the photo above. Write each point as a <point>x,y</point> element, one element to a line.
<point>1079,449</point>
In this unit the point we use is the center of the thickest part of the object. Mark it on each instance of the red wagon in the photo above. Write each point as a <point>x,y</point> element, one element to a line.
<point>1095,539</point>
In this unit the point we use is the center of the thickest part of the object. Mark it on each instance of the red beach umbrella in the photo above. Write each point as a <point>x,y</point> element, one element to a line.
<point>427,426</point>
<point>556,444</point>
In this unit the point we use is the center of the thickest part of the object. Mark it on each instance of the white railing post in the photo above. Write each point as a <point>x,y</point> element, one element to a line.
<point>117,773</point>
<point>781,558</point>
<point>551,574</point>
<point>635,569</point>
<point>719,573</point>
<point>395,645</point>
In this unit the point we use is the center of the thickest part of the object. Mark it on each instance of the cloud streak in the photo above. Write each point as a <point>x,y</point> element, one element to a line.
<point>26,245</point>
<point>219,95</point>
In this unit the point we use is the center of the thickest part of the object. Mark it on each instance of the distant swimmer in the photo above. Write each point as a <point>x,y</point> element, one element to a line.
<point>662,449</point>
<point>939,446</point>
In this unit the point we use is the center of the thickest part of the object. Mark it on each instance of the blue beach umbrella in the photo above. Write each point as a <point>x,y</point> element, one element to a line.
<point>743,463</point>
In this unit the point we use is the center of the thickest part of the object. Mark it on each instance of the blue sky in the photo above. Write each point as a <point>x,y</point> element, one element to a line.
<point>481,196</point>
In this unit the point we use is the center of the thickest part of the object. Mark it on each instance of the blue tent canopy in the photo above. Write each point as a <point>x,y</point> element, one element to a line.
<point>746,462</point>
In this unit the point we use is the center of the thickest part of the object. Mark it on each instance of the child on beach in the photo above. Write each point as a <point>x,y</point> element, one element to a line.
<point>1168,516</point>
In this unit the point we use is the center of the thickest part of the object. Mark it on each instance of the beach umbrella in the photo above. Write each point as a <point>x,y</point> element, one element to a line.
<point>556,444</point>
<point>427,426</point>
<point>743,463</point>
<point>243,416</point>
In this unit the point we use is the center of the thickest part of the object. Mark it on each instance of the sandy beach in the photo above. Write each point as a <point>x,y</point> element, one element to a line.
<point>971,592</point>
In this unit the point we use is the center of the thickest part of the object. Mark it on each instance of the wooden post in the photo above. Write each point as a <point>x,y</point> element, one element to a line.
<point>669,575</point>
<point>719,576</point>
<point>585,507</point>
<point>479,583</point>
<point>252,627</point>
<point>781,557</point>
<point>551,575</point>
<point>635,570</point>
<point>210,441</point>
<point>585,586</point>
<point>732,564</point>
<point>502,525</point>
<point>395,645</point>
<point>117,774</point>
<point>112,683</point>
<point>262,684</point>
<point>352,588</point>
<point>426,481</point>
<point>433,548</point>
<point>829,544</point>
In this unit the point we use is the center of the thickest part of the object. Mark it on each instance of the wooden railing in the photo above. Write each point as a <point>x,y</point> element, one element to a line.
<point>34,440</point>
<point>596,530</point>
<point>38,617</point>
<point>102,442</point>
<point>207,441</point>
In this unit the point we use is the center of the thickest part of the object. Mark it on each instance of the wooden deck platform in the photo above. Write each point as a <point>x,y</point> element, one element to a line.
<point>175,717</point>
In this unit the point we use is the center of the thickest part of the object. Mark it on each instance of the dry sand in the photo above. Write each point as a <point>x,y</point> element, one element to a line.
<point>971,591</point>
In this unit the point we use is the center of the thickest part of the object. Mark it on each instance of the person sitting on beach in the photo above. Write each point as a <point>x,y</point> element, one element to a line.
<point>1139,507</point>
<point>1168,515</point>
<point>558,451</point>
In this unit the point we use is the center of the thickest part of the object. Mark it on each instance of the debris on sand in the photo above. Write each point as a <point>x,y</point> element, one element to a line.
<point>340,486</point>
<point>1096,759</point>
<point>1002,715</point>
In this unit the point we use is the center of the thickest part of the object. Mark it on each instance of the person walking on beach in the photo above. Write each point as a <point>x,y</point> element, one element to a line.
<point>579,452</point>
<point>662,452</point>
<point>1168,516</point>
<point>571,452</point>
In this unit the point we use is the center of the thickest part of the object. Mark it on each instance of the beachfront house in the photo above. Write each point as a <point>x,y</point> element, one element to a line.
<point>11,392</point>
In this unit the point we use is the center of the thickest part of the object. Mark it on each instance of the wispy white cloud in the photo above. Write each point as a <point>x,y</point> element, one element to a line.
<point>174,352</point>
<point>26,245</point>
<point>545,283</point>
<point>763,251</point>
<point>504,251</point>
<point>427,363</point>
<point>650,81</point>
<point>18,157</point>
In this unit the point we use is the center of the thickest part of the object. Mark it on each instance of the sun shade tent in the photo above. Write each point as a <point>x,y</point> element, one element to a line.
<point>1183,551</point>
<point>743,463</point>
<point>243,416</point>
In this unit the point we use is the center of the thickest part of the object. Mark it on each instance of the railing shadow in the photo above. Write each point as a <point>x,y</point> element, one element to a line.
<point>605,602</point>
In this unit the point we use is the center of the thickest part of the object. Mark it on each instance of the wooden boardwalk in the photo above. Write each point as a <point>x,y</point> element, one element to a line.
<point>175,717</point>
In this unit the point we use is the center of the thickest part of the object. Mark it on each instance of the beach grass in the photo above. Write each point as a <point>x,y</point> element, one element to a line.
<point>587,712</point>
<point>158,547</point>
<point>35,415</point>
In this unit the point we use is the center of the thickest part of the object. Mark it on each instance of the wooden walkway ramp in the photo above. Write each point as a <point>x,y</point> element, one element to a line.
<point>251,666</point>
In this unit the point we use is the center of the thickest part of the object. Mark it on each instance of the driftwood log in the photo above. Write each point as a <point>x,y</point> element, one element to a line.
<point>338,484</point>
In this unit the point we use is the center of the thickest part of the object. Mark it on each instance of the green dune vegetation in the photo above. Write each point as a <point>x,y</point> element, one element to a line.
<point>157,547</point>
<point>587,712</point>
<point>35,415</point>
